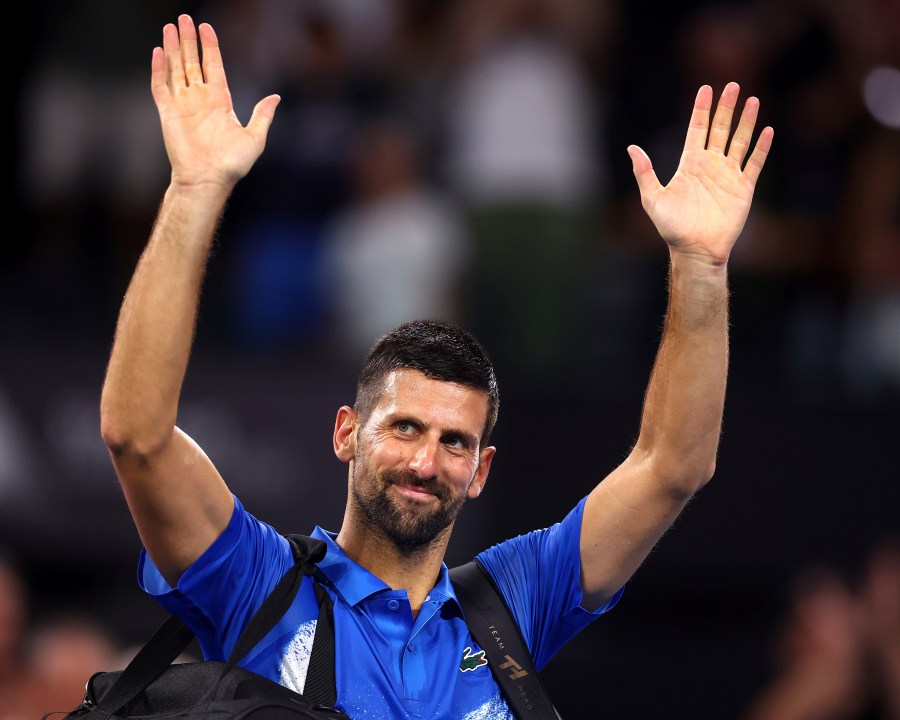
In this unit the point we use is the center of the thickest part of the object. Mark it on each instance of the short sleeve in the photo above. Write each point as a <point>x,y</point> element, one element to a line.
<point>539,576</point>
<point>220,591</point>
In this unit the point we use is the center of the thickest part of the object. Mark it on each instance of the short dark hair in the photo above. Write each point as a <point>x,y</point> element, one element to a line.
<point>439,350</point>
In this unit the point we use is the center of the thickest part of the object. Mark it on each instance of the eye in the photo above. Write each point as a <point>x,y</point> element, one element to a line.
<point>455,441</point>
<point>405,427</point>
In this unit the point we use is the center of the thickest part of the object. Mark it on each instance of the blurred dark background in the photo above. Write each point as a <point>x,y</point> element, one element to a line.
<point>466,160</point>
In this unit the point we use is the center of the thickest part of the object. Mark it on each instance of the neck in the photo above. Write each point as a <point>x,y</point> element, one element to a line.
<point>414,571</point>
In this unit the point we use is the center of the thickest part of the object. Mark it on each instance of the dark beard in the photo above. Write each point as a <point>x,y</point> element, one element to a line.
<point>408,529</point>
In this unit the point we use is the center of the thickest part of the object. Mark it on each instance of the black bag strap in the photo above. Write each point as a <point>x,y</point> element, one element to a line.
<point>320,686</point>
<point>494,629</point>
<point>160,651</point>
<point>173,636</point>
<point>307,552</point>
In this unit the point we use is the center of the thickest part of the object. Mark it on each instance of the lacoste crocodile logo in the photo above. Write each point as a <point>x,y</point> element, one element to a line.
<point>470,661</point>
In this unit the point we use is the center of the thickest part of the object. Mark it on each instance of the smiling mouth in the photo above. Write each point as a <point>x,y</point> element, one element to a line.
<point>416,493</point>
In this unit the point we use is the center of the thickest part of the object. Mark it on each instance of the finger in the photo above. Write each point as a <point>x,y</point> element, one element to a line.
<point>648,183</point>
<point>172,50</point>
<point>158,83</point>
<point>737,150</point>
<point>213,69</point>
<point>262,117</point>
<point>721,124</point>
<point>759,155</point>
<point>190,54</point>
<point>699,125</point>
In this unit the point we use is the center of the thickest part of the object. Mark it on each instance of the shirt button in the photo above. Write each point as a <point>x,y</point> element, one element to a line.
<point>410,647</point>
<point>393,604</point>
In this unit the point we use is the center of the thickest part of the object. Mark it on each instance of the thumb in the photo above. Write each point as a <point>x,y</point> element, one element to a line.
<point>262,116</point>
<point>642,168</point>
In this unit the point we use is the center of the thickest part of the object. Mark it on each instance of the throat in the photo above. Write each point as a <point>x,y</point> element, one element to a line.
<point>414,570</point>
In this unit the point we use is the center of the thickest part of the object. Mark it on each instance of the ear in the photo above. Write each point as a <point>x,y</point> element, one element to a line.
<point>344,437</point>
<point>481,474</point>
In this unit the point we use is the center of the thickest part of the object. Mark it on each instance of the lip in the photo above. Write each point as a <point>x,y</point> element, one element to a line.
<point>414,492</point>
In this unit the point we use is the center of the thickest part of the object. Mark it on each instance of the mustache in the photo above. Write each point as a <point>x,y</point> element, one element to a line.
<point>408,477</point>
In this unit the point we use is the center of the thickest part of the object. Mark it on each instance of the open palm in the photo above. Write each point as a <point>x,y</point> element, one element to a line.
<point>205,141</point>
<point>703,208</point>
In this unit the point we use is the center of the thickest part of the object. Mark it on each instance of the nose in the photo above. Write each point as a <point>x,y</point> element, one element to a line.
<point>424,459</point>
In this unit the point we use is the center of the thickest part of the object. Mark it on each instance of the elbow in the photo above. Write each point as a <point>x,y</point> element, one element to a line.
<point>710,471</point>
<point>124,437</point>
<point>684,464</point>
<point>685,478</point>
<point>114,436</point>
<point>698,475</point>
<point>140,446</point>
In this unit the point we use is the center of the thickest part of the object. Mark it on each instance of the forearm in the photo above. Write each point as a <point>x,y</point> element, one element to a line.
<point>683,407</point>
<point>156,325</point>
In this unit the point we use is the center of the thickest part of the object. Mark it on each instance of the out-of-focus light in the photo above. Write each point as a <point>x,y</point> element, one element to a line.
<point>881,91</point>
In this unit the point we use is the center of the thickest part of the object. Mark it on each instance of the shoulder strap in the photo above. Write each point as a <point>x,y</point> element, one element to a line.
<point>173,636</point>
<point>493,627</point>
<point>160,651</point>
<point>320,686</point>
<point>306,554</point>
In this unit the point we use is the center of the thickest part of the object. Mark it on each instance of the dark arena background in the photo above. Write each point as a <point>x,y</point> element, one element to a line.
<point>466,160</point>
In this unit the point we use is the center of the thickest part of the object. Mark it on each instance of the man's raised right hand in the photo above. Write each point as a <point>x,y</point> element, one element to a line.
<point>208,148</point>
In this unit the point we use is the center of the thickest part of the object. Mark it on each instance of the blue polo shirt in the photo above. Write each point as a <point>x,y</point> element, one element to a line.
<point>389,665</point>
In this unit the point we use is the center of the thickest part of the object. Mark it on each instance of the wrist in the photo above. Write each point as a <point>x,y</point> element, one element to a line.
<point>697,264</point>
<point>210,187</point>
<point>697,275</point>
<point>699,282</point>
<point>199,195</point>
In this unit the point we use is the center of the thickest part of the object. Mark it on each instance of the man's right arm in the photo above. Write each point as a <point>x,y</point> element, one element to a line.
<point>178,500</point>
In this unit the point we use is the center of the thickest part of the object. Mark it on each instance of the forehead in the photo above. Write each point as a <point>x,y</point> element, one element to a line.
<point>437,402</point>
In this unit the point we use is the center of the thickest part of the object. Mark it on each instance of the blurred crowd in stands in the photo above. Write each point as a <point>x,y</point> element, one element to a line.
<point>467,160</point>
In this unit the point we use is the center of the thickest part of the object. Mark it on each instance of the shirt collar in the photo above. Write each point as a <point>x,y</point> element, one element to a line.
<point>355,583</point>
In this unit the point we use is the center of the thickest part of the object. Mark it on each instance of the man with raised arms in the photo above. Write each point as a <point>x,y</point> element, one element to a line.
<point>416,439</point>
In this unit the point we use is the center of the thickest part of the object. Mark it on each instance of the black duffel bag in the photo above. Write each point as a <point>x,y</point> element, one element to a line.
<point>156,687</point>
<point>200,691</point>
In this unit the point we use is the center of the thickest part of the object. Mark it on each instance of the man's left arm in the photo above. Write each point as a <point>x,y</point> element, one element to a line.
<point>700,214</point>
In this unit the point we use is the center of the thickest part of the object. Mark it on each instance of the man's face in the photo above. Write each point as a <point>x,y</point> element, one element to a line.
<point>417,457</point>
